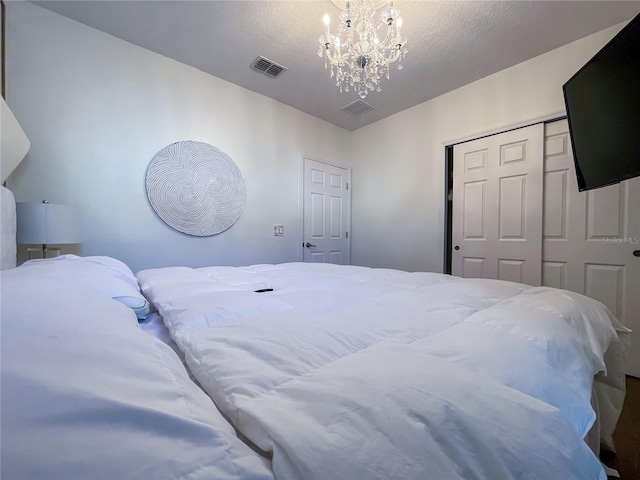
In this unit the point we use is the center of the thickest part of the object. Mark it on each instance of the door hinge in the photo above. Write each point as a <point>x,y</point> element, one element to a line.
<point>347,185</point>
<point>347,234</point>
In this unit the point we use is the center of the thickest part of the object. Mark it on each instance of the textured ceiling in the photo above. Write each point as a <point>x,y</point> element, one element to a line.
<point>451,43</point>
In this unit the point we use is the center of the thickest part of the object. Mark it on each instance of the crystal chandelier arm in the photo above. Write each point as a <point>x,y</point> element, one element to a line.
<point>326,42</point>
<point>389,37</point>
<point>394,24</point>
<point>393,57</point>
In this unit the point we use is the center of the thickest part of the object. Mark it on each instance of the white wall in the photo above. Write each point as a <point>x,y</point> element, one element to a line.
<point>399,162</point>
<point>97,109</point>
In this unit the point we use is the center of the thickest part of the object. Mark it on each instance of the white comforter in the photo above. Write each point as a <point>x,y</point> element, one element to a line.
<point>87,395</point>
<point>350,372</point>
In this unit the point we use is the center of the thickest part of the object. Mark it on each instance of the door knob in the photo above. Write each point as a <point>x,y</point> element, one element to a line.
<point>456,247</point>
<point>636,253</point>
<point>308,245</point>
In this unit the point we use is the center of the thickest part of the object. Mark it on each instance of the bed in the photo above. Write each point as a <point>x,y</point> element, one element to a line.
<point>353,372</point>
<point>301,371</point>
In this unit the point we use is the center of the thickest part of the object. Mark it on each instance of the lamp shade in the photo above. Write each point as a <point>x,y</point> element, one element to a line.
<point>47,223</point>
<point>14,144</point>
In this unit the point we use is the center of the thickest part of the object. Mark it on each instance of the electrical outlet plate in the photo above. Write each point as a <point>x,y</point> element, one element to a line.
<point>278,230</point>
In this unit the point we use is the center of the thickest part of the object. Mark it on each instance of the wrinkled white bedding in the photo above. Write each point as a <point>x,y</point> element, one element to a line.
<point>350,372</point>
<point>8,247</point>
<point>86,394</point>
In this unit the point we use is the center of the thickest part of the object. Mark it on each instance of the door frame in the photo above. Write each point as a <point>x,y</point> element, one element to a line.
<point>300,255</point>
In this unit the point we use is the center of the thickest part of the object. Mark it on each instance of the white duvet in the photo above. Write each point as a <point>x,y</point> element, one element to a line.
<point>357,373</point>
<point>87,395</point>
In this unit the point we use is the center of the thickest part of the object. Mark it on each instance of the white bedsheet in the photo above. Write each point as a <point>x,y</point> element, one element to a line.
<point>350,372</point>
<point>86,394</point>
<point>8,247</point>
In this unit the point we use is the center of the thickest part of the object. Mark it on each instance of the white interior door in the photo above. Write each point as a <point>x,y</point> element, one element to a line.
<point>590,237</point>
<point>497,206</point>
<point>326,212</point>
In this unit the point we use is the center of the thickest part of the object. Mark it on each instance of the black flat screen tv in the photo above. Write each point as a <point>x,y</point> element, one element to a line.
<point>603,109</point>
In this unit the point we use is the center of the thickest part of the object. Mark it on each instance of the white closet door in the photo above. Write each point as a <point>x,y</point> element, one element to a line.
<point>497,206</point>
<point>590,237</point>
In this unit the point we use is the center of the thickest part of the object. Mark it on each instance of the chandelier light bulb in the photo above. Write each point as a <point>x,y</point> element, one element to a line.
<point>360,53</point>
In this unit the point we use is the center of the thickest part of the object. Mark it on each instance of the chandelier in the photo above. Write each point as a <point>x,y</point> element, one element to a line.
<point>364,47</point>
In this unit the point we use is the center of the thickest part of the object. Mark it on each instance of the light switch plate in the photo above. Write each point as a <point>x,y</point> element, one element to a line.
<point>278,230</point>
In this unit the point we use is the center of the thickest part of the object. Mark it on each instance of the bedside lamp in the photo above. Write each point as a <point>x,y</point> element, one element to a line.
<point>47,224</point>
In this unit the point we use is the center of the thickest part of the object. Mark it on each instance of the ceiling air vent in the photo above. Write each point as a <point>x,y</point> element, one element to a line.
<point>357,108</point>
<point>266,66</point>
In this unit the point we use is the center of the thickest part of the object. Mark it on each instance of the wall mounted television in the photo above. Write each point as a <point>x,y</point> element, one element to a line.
<point>603,109</point>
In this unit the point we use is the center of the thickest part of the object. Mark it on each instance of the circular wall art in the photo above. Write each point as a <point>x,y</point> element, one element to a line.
<point>195,188</point>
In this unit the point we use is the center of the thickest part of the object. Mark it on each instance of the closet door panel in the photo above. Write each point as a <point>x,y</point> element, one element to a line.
<point>590,237</point>
<point>497,206</point>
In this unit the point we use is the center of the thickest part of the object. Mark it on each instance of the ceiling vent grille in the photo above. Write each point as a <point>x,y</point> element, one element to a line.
<point>266,66</point>
<point>357,108</point>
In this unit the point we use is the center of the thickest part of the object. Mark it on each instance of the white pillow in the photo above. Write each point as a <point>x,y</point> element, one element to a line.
<point>102,274</point>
